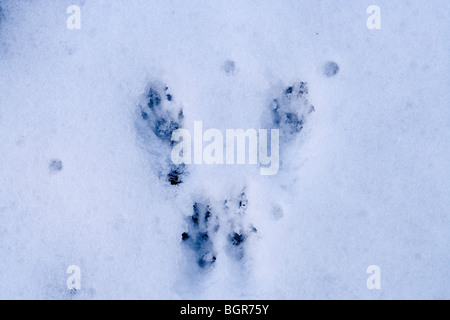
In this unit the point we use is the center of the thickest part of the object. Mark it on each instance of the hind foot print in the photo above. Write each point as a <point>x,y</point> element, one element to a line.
<point>291,109</point>
<point>160,112</point>
<point>159,116</point>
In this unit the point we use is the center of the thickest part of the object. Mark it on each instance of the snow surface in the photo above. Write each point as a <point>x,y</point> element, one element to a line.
<point>366,182</point>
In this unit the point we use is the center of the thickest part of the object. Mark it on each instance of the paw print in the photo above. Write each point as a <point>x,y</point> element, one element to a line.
<point>291,109</point>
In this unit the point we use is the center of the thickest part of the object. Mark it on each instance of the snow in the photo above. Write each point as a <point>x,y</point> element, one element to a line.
<point>365,183</point>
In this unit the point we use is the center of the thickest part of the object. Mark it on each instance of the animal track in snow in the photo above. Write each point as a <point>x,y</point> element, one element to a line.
<point>160,116</point>
<point>238,232</point>
<point>202,227</point>
<point>290,110</point>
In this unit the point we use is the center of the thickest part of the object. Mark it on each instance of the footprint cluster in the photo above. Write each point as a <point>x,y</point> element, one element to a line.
<point>203,230</point>
<point>209,226</point>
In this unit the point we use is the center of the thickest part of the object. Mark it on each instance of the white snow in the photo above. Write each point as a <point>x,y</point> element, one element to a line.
<point>366,183</point>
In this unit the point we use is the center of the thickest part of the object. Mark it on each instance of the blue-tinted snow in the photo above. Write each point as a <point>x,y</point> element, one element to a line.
<point>366,182</point>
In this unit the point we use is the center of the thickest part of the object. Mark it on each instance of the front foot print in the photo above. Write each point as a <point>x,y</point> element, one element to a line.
<point>238,235</point>
<point>202,226</point>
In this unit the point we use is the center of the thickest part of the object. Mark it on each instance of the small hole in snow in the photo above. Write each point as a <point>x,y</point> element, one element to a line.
<point>55,166</point>
<point>330,69</point>
<point>229,66</point>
